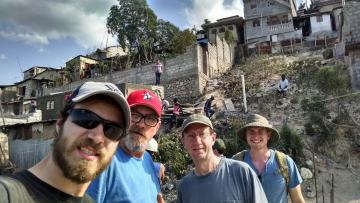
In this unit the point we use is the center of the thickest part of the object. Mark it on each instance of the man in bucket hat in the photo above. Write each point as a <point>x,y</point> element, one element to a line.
<point>214,179</point>
<point>95,117</point>
<point>131,176</point>
<point>277,172</point>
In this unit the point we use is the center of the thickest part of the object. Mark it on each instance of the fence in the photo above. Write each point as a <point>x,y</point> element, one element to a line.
<point>25,153</point>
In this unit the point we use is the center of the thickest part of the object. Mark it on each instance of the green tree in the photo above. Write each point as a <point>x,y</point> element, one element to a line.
<point>166,32</point>
<point>182,40</point>
<point>333,80</point>
<point>134,24</point>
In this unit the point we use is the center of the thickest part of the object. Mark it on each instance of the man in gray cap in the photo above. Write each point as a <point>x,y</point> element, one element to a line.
<point>95,117</point>
<point>214,179</point>
<point>277,172</point>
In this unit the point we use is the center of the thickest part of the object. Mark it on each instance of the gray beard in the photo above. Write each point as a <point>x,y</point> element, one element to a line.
<point>133,145</point>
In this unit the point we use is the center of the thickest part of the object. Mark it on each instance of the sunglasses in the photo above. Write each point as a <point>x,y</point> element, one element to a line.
<point>90,120</point>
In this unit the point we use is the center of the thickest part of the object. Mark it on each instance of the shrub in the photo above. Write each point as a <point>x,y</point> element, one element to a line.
<point>173,154</point>
<point>290,143</point>
<point>332,80</point>
<point>328,54</point>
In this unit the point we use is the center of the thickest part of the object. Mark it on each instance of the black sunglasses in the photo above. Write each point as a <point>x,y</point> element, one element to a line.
<point>90,120</point>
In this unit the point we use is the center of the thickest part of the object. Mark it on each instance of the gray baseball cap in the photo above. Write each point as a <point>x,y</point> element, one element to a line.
<point>89,89</point>
<point>196,118</point>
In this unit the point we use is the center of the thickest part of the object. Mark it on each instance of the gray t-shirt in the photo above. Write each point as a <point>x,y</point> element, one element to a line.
<point>232,181</point>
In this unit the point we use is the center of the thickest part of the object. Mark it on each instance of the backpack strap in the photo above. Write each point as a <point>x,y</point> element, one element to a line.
<point>283,166</point>
<point>239,156</point>
<point>16,191</point>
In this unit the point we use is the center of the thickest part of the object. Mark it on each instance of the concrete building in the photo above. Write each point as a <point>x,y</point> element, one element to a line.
<point>269,21</point>
<point>107,53</point>
<point>233,25</point>
<point>79,67</point>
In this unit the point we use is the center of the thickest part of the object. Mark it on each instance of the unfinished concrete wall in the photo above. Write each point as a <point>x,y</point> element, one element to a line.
<point>351,28</point>
<point>4,151</point>
<point>180,76</point>
<point>353,60</point>
<point>351,38</point>
<point>177,75</point>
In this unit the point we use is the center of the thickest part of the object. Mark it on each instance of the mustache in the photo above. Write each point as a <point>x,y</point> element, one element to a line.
<point>136,130</point>
<point>87,142</point>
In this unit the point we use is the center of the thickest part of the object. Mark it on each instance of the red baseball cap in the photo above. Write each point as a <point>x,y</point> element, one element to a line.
<point>145,97</point>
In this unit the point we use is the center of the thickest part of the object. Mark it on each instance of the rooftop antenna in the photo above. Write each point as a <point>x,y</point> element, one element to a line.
<point>19,65</point>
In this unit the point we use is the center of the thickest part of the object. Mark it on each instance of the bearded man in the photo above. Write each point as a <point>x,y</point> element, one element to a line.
<point>95,117</point>
<point>131,176</point>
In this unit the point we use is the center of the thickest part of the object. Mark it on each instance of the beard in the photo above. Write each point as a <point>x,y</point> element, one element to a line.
<point>77,170</point>
<point>135,142</point>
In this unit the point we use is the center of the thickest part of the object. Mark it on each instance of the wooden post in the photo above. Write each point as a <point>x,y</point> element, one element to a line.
<point>244,93</point>
<point>291,44</point>
<point>314,166</point>
<point>325,41</point>
<point>322,191</point>
<point>332,189</point>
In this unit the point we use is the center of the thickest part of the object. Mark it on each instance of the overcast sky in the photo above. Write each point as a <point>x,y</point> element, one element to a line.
<point>50,32</point>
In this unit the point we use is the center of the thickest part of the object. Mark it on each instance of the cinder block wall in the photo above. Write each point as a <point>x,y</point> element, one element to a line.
<point>183,76</point>
<point>351,35</point>
<point>351,28</point>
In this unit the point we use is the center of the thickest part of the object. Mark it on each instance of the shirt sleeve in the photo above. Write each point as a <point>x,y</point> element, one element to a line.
<point>257,193</point>
<point>179,196</point>
<point>294,174</point>
<point>97,188</point>
<point>3,194</point>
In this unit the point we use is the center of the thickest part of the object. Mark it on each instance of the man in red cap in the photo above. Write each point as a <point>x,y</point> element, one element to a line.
<point>131,176</point>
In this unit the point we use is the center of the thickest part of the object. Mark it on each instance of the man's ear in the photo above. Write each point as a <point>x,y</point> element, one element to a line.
<point>214,136</point>
<point>57,127</point>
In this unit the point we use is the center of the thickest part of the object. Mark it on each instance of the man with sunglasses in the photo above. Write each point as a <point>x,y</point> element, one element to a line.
<point>214,179</point>
<point>95,117</point>
<point>131,176</point>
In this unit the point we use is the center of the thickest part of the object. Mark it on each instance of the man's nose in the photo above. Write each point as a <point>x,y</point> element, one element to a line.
<point>97,134</point>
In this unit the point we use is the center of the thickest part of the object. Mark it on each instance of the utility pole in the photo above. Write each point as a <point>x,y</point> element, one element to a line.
<point>244,93</point>
<point>1,109</point>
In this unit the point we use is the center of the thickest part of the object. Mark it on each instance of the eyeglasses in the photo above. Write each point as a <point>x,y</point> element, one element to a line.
<point>90,120</point>
<point>193,136</point>
<point>149,120</point>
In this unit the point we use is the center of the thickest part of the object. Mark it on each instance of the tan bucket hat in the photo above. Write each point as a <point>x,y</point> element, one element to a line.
<point>255,120</point>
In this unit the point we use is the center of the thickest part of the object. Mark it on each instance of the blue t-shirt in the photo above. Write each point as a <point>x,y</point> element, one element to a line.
<point>126,179</point>
<point>273,182</point>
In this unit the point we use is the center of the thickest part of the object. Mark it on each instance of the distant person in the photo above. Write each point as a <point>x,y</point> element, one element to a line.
<point>209,111</point>
<point>214,179</point>
<point>277,172</point>
<point>152,149</point>
<point>165,104</point>
<point>131,175</point>
<point>32,106</point>
<point>158,71</point>
<point>219,147</point>
<point>95,117</point>
<point>177,110</point>
<point>283,86</point>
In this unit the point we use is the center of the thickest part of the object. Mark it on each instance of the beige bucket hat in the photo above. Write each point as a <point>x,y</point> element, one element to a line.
<point>255,120</point>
